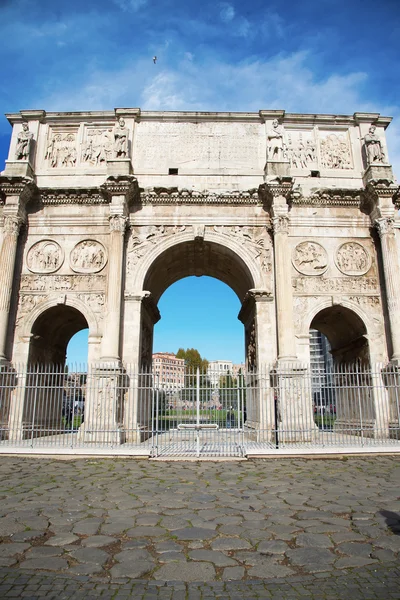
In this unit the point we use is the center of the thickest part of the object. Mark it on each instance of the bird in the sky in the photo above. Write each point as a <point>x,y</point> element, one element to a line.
<point>154,59</point>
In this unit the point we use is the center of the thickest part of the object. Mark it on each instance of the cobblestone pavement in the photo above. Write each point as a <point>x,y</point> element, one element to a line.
<point>276,528</point>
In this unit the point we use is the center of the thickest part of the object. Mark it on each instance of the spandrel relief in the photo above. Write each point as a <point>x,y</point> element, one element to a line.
<point>45,256</point>
<point>352,259</point>
<point>257,239</point>
<point>95,301</point>
<point>142,238</point>
<point>88,256</point>
<point>300,149</point>
<point>335,150</point>
<point>310,258</point>
<point>98,146</point>
<point>61,149</point>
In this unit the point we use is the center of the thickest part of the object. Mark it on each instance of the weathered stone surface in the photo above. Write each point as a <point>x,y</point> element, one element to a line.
<point>272,547</point>
<point>313,540</point>
<point>12,549</point>
<point>98,541</point>
<point>312,559</point>
<point>194,533</point>
<point>47,564</point>
<point>134,570</point>
<point>217,558</point>
<point>230,544</point>
<point>186,571</point>
<point>90,555</point>
<point>62,539</point>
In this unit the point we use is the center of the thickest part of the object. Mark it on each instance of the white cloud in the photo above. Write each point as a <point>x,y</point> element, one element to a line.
<point>227,12</point>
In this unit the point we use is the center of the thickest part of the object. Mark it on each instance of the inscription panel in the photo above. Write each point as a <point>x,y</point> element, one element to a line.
<point>187,146</point>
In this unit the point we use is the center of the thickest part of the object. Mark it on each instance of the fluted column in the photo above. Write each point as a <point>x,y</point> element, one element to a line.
<point>277,192</point>
<point>391,269</point>
<point>17,192</point>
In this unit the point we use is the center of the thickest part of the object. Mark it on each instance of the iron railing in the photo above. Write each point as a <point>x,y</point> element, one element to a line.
<point>289,407</point>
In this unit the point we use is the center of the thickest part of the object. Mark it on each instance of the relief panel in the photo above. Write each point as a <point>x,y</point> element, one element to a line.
<point>352,258</point>
<point>61,149</point>
<point>335,150</point>
<point>88,256</point>
<point>310,258</point>
<point>97,146</point>
<point>45,256</point>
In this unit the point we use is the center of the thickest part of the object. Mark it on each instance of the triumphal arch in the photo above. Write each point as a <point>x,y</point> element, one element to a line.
<point>102,211</point>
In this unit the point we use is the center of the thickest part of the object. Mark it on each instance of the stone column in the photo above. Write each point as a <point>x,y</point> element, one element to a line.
<point>17,194</point>
<point>278,192</point>
<point>391,269</point>
<point>119,190</point>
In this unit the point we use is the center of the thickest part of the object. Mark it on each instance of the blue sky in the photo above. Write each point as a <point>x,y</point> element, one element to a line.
<point>332,56</point>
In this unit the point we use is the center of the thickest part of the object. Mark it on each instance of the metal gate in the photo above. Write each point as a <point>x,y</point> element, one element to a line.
<point>199,420</point>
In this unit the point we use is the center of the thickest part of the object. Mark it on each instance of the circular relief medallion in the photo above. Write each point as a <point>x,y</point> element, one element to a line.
<point>88,256</point>
<point>310,258</point>
<point>352,259</point>
<point>45,256</point>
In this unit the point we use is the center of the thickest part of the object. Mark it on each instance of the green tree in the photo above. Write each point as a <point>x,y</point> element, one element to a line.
<point>194,361</point>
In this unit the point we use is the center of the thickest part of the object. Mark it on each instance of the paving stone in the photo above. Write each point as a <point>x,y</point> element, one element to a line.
<point>139,543</point>
<point>312,559</point>
<point>267,569</point>
<point>148,519</point>
<point>134,570</point>
<point>384,555</point>
<point>7,550</point>
<point>196,545</point>
<point>168,546</point>
<point>313,540</point>
<point>26,536</point>
<point>272,547</point>
<point>355,549</point>
<point>86,569</point>
<point>233,573</point>
<point>43,552</point>
<point>97,541</point>
<point>146,531</point>
<point>347,536</point>
<point>391,542</point>
<point>63,539</point>
<point>87,526</point>
<point>10,527</point>
<point>183,571</point>
<point>132,555</point>
<point>194,533</point>
<point>48,564</point>
<point>217,558</point>
<point>172,523</point>
<point>171,557</point>
<point>116,527</point>
<point>7,561</point>
<point>90,555</point>
<point>347,562</point>
<point>223,543</point>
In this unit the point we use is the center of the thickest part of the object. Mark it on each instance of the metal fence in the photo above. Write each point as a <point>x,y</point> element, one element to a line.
<point>287,408</point>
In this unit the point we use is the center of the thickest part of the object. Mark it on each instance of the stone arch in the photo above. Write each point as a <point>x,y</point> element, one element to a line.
<point>50,326</point>
<point>210,246</point>
<point>346,326</point>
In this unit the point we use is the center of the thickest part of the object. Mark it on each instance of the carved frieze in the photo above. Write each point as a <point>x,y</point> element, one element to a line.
<point>27,302</point>
<point>335,150</point>
<point>98,146</point>
<point>165,196</point>
<point>88,256</point>
<point>63,282</point>
<point>301,306</point>
<point>300,149</point>
<point>45,256</point>
<point>329,285</point>
<point>310,258</point>
<point>256,239</point>
<point>95,301</point>
<point>366,301</point>
<point>352,259</point>
<point>142,238</point>
<point>61,151</point>
<point>50,196</point>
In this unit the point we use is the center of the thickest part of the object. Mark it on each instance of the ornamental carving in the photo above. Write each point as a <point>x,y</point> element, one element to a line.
<point>251,347</point>
<point>142,238</point>
<point>88,256</point>
<point>310,258</point>
<point>352,259</point>
<point>61,149</point>
<point>121,137</point>
<point>256,239</point>
<point>335,151</point>
<point>301,153</point>
<point>385,226</point>
<point>171,195</point>
<point>45,256</point>
<point>12,225</point>
<point>24,141</point>
<point>63,282</point>
<point>27,303</point>
<point>118,223</point>
<point>329,285</point>
<point>98,147</point>
<point>367,301</point>
<point>95,301</point>
<point>280,224</point>
<point>275,146</point>
<point>373,147</point>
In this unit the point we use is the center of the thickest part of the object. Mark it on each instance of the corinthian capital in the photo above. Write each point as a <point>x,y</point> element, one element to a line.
<point>385,226</point>
<point>280,224</point>
<point>118,223</point>
<point>12,225</point>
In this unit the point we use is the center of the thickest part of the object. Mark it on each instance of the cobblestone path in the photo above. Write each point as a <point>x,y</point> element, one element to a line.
<point>277,528</point>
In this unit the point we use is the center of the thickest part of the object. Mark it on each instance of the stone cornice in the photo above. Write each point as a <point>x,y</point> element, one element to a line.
<point>23,187</point>
<point>382,188</point>
<point>329,197</point>
<point>51,196</point>
<point>124,185</point>
<point>165,196</point>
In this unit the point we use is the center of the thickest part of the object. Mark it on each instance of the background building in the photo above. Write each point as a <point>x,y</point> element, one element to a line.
<point>169,371</point>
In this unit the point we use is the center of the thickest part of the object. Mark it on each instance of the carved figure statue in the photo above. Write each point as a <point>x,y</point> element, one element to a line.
<point>275,149</point>
<point>121,135</point>
<point>373,147</point>
<point>24,140</point>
